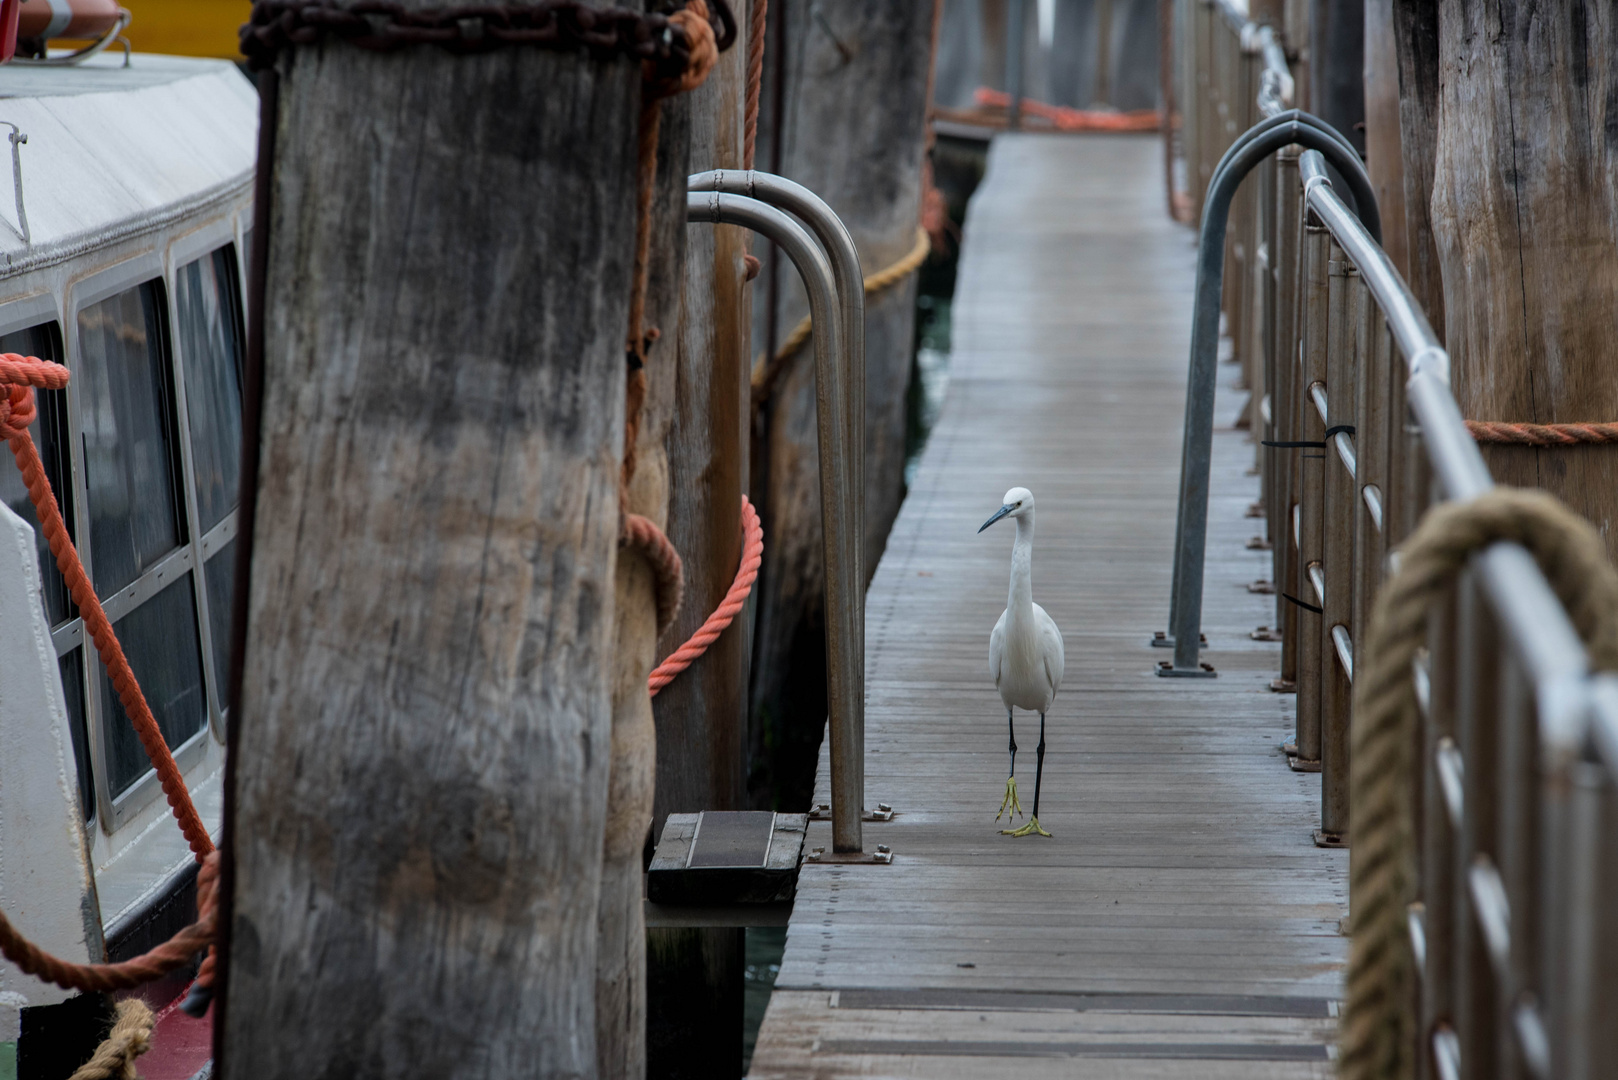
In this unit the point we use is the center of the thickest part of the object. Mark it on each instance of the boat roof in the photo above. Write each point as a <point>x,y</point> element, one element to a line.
<point>112,149</point>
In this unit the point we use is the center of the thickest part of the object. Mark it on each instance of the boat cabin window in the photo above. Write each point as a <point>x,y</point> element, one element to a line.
<point>133,494</point>
<point>126,414</point>
<point>50,434</point>
<point>209,337</point>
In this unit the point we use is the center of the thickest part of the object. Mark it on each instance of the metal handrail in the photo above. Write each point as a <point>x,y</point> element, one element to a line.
<point>834,236</point>
<point>1531,615</point>
<point>844,656</point>
<point>1196,454</point>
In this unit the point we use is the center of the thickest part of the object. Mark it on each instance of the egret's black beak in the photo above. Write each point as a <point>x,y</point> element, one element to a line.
<point>998,514</point>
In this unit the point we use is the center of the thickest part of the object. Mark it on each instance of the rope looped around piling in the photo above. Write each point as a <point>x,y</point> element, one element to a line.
<point>1377,1035</point>
<point>1524,434</point>
<point>728,609</point>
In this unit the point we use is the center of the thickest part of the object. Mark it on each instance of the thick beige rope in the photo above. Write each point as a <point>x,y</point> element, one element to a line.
<point>130,1037</point>
<point>765,371</point>
<point>1377,1028</point>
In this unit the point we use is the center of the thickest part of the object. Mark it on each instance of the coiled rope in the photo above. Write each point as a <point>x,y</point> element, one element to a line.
<point>766,372</point>
<point>735,597</point>
<point>1376,1036</point>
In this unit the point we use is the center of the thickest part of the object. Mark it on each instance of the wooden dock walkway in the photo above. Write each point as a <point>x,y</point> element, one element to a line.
<point>1181,923</point>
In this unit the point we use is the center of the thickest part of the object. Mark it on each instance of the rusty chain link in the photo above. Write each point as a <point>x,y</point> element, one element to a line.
<point>384,25</point>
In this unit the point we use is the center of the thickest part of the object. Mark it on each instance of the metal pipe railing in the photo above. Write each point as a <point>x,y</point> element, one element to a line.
<point>844,657</point>
<point>1514,723</point>
<point>1191,525</point>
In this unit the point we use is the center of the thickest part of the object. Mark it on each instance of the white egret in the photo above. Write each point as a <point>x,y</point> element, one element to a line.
<point>1025,652</point>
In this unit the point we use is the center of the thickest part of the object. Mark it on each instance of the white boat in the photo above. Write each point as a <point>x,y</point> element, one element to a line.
<point>124,222</point>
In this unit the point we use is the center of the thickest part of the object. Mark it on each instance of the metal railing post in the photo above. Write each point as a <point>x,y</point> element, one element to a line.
<point>843,657</point>
<point>1337,553</point>
<point>1191,531</point>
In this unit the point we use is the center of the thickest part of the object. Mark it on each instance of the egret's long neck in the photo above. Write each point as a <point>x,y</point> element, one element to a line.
<point>1020,600</point>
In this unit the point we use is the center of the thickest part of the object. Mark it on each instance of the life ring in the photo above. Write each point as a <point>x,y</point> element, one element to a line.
<point>77,19</point>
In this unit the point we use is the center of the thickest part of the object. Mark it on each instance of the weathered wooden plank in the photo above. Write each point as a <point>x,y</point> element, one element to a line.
<point>1182,861</point>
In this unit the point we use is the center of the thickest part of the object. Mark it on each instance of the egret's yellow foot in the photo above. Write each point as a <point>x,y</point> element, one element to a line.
<point>1010,800</point>
<point>1027,830</point>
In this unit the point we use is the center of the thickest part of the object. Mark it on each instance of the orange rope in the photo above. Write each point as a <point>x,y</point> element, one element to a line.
<point>1065,119</point>
<point>22,374</point>
<point>708,633</point>
<point>642,534</point>
<point>174,953</point>
<point>755,77</point>
<point>1500,431</point>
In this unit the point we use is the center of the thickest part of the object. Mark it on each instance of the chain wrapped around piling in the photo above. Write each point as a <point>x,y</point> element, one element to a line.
<point>384,25</point>
<point>1377,1028</point>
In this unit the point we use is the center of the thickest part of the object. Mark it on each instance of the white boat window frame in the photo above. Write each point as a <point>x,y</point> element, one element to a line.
<point>191,555</point>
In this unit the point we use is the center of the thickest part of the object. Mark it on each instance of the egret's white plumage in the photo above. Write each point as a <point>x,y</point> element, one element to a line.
<point>1025,650</point>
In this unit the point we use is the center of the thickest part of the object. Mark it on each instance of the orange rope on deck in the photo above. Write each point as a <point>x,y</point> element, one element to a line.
<point>1500,431</point>
<point>1066,119</point>
<point>708,633</point>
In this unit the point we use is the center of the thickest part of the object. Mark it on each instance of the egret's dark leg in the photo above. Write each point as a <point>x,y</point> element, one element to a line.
<point>1010,801</point>
<point>1033,826</point>
<point>1012,728</point>
<point>1039,764</point>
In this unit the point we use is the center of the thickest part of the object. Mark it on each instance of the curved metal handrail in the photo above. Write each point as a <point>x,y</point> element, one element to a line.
<point>834,236</point>
<point>1196,453</point>
<point>844,656</point>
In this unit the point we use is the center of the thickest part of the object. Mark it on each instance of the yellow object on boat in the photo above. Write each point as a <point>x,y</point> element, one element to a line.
<point>187,27</point>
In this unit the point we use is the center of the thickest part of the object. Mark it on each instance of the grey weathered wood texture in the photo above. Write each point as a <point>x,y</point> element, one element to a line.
<point>1415,39</point>
<point>701,717</point>
<point>1384,158</point>
<point>621,956</point>
<point>426,717</point>
<point>1182,866</point>
<point>1525,214</point>
<point>854,132</point>
<point>702,714</point>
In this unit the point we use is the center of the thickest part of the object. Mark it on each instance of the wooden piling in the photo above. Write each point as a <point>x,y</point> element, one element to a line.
<point>1525,221</point>
<point>694,976</point>
<point>426,722</point>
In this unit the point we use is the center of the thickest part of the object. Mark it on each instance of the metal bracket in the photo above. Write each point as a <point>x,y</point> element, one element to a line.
<point>1163,640</point>
<point>1285,686</point>
<point>1167,670</point>
<point>1265,633</point>
<point>883,812</point>
<point>1258,543</point>
<point>1330,839</point>
<point>1262,587</point>
<point>1301,764</point>
<point>882,856</point>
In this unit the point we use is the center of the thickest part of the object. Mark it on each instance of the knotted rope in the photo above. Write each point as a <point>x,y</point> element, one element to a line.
<point>766,372</point>
<point>709,631</point>
<point>1500,431</point>
<point>130,1037</point>
<point>1377,1025</point>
